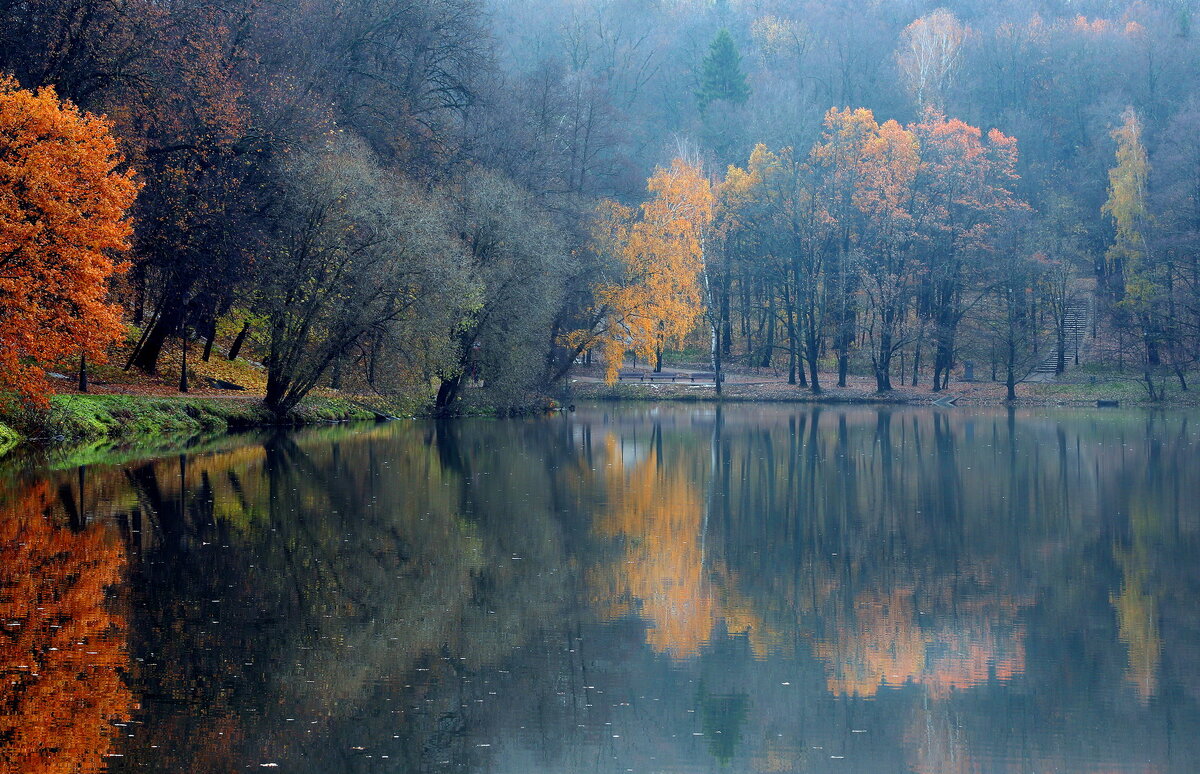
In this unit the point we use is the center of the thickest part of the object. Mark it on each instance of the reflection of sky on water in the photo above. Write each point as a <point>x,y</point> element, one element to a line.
<point>755,589</point>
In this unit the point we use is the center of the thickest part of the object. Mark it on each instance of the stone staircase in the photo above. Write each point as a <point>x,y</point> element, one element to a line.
<point>1079,317</point>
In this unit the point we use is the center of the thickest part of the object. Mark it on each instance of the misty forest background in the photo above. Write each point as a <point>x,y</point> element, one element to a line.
<point>412,195</point>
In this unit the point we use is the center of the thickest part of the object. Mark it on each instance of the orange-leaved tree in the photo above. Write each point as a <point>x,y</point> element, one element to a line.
<point>658,296</point>
<point>63,226</point>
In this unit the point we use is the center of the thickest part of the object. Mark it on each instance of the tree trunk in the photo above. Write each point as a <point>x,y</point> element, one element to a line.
<point>373,363</point>
<point>83,374</point>
<point>1154,394</point>
<point>145,357</point>
<point>942,361</point>
<point>883,364</point>
<point>447,393</point>
<point>1010,369</point>
<point>236,347</point>
<point>769,345</point>
<point>183,374</point>
<point>1152,354</point>
<point>812,352</point>
<point>726,324</point>
<point>715,352</point>
<point>210,335</point>
<point>1060,363</point>
<point>792,343</point>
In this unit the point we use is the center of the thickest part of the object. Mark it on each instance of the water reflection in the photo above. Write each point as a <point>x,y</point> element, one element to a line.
<point>663,589</point>
<point>63,696</point>
<point>657,512</point>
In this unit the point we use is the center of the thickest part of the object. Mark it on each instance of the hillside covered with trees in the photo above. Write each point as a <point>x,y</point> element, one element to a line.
<point>444,196</point>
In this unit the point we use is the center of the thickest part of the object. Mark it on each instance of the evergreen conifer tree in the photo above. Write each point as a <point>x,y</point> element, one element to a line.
<point>721,76</point>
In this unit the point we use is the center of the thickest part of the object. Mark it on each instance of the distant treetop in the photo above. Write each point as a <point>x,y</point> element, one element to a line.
<point>721,76</point>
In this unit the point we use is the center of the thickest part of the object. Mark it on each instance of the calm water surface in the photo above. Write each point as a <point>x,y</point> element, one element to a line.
<point>623,589</point>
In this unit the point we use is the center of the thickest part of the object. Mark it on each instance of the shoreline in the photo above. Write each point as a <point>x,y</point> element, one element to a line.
<point>961,395</point>
<point>75,420</point>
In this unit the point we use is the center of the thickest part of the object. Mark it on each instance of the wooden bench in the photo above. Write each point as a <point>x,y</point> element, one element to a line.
<point>705,376</point>
<point>639,375</point>
<point>653,377</point>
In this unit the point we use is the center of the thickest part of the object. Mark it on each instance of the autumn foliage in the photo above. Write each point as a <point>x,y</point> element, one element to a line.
<point>657,297</point>
<point>63,226</point>
<point>662,574</point>
<point>61,649</point>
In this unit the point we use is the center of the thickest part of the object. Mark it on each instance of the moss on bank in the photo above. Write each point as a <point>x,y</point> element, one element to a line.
<point>77,418</point>
<point>8,438</point>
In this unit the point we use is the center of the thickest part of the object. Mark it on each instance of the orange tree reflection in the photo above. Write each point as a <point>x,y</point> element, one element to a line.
<point>62,650</point>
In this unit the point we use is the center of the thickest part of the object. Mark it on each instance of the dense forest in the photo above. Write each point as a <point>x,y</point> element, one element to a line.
<point>429,196</point>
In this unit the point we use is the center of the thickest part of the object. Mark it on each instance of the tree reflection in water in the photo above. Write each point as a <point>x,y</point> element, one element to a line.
<point>692,588</point>
<point>62,645</point>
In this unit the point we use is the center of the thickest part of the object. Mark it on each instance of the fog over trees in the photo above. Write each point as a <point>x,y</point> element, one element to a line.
<point>432,196</point>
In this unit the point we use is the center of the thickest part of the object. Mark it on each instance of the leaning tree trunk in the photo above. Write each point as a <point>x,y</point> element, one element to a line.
<point>146,356</point>
<point>210,336</point>
<point>236,346</point>
<point>447,393</point>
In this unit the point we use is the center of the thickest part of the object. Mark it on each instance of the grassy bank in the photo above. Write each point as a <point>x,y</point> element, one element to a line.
<point>8,438</point>
<point>1125,392</point>
<point>79,418</point>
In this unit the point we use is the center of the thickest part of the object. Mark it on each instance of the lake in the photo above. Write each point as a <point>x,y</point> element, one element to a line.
<point>626,588</point>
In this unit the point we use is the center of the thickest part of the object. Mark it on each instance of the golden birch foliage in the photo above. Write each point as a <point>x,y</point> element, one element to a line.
<point>1136,604</point>
<point>1127,206</point>
<point>662,574</point>
<point>929,54</point>
<point>658,297</point>
<point>1137,624</point>
<point>62,223</point>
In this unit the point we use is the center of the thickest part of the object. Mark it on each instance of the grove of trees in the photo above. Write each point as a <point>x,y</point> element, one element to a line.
<point>428,196</point>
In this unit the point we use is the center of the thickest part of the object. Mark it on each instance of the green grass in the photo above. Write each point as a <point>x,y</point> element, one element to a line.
<point>1108,385</point>
<point>8,438</point>
<point>79,418</point>
<point>1124,390</point>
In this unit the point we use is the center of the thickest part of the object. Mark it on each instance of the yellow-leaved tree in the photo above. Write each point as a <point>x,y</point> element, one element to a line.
<point>658,296</point>
<point>1139,283</point>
